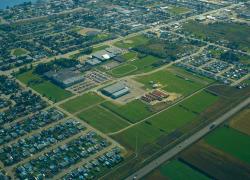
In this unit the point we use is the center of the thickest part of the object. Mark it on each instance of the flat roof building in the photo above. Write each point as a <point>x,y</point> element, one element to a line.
<point>103,55</point>
<point>116,90</point>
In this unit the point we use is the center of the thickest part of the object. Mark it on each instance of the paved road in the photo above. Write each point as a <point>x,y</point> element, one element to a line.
<point>189,141</point>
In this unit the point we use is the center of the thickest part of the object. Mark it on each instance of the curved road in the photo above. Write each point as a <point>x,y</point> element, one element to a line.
<point>189,141</point>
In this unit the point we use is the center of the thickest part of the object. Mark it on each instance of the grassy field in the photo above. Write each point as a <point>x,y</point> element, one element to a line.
<point>19,52</point>
<point>123,70</point>
<point>133,111</point>
<point>176,170</point>
<point>132,42</point>
<point>214,162</point>
<point>241,121</point>
<point>82,102</point>
<point>103,119</point>
<point>130,55</point>
<point>172,81</point>
<point>178,10</point>
<point>236,34</point>
<point>44,87</point>
<point>95,49</point>
<point>138,136</point>
<point>232,142</point>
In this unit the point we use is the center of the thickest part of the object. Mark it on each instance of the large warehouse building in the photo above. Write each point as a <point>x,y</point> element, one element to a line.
<point>116,90</point>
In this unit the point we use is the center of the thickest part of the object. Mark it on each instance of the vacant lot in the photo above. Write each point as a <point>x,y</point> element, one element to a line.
<point>215,163</point>
<point>176,170</point>
<point>132,112</point>
<point>232,142</point>
<point>172,81</point>
<point>44,87</point>
<point>82,102</point>
<point>132,42</point>
<point>241,121</point>
<point>103,119</point>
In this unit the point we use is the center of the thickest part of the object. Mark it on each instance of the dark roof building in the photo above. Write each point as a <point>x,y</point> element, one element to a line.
<point>116,90</point>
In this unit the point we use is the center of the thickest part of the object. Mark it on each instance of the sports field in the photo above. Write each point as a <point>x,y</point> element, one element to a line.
<point>82,102</point>
<point>19,52</point>
<point>132,42</point>
<point>232,142</point>
<point>44,87</point>
<point>103,119</point>
<point>132,112</point>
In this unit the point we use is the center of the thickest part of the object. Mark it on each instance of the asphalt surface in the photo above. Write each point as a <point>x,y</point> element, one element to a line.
<point>189,141</point>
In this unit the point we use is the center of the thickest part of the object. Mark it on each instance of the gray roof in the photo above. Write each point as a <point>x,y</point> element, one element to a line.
<point>99,55</point>
<point>114,88</point>
<point>93,61</point>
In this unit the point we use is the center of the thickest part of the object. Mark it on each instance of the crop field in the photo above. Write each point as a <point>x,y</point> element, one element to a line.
<point>241,121</point>
<point>214,162</point>
<point>138,136</point>
<point>176,170</point>
<point>82,102</point>
<point>236,34</point>
<point>44,87</point>
<point>237,145</point>
<point>173,82</point>
<point>132,42</point>
<point>132,112</point>
<point>103,119</point>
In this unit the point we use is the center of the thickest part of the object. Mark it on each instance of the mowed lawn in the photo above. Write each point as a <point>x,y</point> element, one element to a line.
<point>231,142</point>
<point>82,102</point>
<point>132,112</point>
<point>139,135</point>
<point>130,55</point>
<point>124,69</point>
<point>44,87</point>
<point>132,42</point>
<point>103,120</point>
<point>199,102</point>
<point>176,170</point>
<point>183,84</point>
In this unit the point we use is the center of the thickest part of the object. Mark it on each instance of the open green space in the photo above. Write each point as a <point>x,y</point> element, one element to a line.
<point>237,34</point>
<point>103,119</point>
<point>133,111</point>
<point>200,101</point>
<point>176,170</point>
<point>43,86</point>
<point>178,10</point>
<point>130,55</point>
<point>99,48</point>
<point>171,81</point>
<point>132,42</point>
<point>82,102</point>
<point>19,52</point>
<point>232,142</point>
<point>138,136</point>
<point>124,69</point>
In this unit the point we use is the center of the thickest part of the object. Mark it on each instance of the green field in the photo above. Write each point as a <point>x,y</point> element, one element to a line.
<point>232,142</point>
<point>129,55</point>
<point>95,49</point>
<point>19,52</point>
<point>123,70</point>
<point>176,170</point>
<point>132,42</point>
<point>200,101</point>
<point>133,111</point>
<point>171,81</point>
<point>44,87</point>
<point>178,10</point>
<point>140,134</point>
<point>103,119</point>
<point>82,102</point>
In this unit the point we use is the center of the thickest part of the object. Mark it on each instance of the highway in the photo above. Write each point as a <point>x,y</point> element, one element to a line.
<point>186,143</point>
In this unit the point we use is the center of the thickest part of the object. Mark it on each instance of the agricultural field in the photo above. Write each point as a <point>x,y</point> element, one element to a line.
<point>172,80</point>
<point>176,170</point>
<point>241,121</point>
<point>132,42</point>
<point>103,119</point>
<point>235,33</point>
<point>132,112</point>
<point>82,102</point>
<point>232,142</point>
<point>43,86</point>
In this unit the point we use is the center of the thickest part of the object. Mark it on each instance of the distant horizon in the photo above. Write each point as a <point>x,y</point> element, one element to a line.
<point>10,3</point>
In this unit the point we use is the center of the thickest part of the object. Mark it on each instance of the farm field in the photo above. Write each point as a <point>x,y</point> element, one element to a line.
<point>176,170</point>
<point>102,119</point>
<point>132,42</point>
<point>132,112</point>
<point>232,142</point>
<point>173,82</point>
<point>44,87</point>
<point>241,121</point>
<point>82,102</point>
